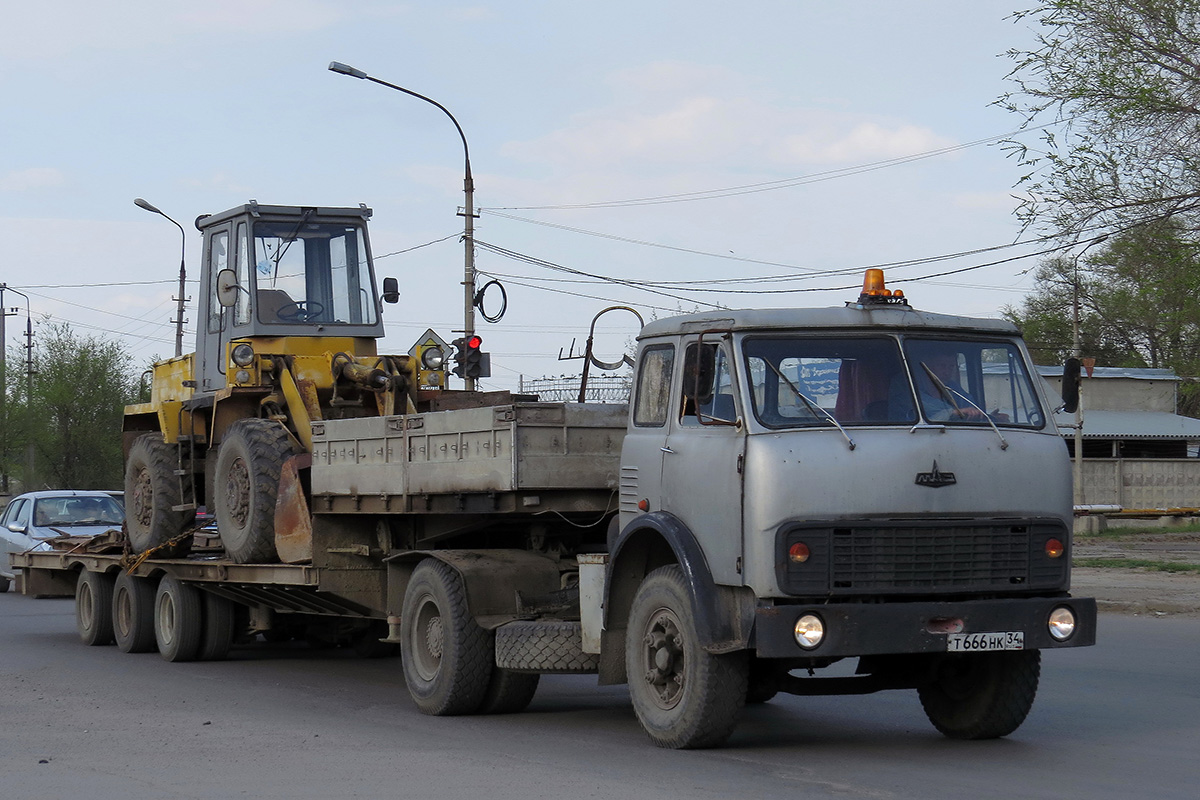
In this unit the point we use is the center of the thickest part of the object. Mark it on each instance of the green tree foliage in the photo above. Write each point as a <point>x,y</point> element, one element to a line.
<point>1122,79</point>
<point>1139,305</point>
<point>80,387</point>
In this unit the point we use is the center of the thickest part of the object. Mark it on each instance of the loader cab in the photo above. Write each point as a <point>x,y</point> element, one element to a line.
<point>282,272</point>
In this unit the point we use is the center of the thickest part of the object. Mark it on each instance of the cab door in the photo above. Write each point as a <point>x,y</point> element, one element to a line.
<point>704,456</point>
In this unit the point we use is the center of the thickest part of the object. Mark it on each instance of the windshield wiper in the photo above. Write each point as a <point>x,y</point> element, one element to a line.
<point>812,405</point>
<point>948,395</point>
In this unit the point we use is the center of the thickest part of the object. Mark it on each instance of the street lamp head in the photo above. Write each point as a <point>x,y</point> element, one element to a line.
<point>140,203</point>
<point>346,69</point>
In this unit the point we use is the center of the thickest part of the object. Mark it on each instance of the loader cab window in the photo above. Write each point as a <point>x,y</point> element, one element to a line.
<point>241,308</point>
<point>218,259</point>
<point>312,272</point>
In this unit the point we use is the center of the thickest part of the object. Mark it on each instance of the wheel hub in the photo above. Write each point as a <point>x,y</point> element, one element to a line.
<point>433,637</point>
<point>237,491</point>
<point>663,658</point>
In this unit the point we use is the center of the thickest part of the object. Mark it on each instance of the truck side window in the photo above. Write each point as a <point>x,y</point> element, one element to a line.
<point>653,398</point>
<point>714,401</point>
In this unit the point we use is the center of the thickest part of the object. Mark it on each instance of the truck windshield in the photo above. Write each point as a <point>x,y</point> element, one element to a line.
<point>314,272</point>
<point>961,381</point>
<point>802,381</point>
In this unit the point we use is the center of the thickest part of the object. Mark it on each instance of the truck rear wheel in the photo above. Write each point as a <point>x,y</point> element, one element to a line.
<point>249,462</point>
<point>447,658</point>
<point>151,492</point>
<point>93,608</point>
<point>177,619</point>
<point>981,695</point>
<point>684,696</point>
<point>133,613</point>
<point>509,692</point>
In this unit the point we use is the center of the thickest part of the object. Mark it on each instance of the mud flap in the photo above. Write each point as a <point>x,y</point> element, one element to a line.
<point>293,523</point>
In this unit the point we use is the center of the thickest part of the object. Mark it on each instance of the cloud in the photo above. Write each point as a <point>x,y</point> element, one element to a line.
<point>33,178</point>
<point>681,114</point>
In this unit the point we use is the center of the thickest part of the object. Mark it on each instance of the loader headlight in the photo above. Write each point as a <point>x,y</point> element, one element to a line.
<point>432,358</point>
<point>242,354</point>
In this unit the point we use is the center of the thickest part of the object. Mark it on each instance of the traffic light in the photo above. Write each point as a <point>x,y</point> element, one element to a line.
<point>469,360</point>
<point>431,365</point>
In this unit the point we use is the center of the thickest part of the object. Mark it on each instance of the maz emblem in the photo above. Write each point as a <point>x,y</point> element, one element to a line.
<point>935,479</point>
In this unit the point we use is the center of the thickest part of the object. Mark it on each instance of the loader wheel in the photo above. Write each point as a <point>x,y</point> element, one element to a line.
<point>249,461</point>
<point>447,658</point>
<point>151,492</point>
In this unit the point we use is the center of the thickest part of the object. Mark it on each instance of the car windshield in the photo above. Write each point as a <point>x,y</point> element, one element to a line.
<point>58,512</point>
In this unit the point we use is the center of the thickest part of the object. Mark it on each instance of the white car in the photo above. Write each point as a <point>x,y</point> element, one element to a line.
<point>31,519</point>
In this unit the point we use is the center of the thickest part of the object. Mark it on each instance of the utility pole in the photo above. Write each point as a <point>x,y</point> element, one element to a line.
<point>4,313</point>
<point>3,398</point>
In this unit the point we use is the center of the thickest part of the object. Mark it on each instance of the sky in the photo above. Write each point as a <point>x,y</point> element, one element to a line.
<point>795,140</point>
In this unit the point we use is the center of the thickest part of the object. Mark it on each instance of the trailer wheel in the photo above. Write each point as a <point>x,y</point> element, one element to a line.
<point>981,695</point>
<point>249,461</point>
<point>178,621</point>
<point>509,692</point>
<point>216,637</point>
<point>133,613</point>
<point>93,608</point>
<point>447,658</point>
<point>151,492</point>
<point>544,646</point>
<point>684,696</point>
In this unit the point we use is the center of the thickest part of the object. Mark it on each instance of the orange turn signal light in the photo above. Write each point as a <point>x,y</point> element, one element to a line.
<point>1054,548</point>
<point>799,553</point>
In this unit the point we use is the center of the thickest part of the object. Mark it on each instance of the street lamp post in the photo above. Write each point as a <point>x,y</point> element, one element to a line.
<point>468,209</point>
<point>1077,351</point>
<point>140,203</point>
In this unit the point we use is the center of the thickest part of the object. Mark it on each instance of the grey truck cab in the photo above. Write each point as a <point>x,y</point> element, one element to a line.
<point>869,481</point>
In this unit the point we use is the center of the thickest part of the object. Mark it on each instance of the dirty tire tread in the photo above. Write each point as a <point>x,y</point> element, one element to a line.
<point>93,608</point>
<point>157,524</point>
<point>264,445</point>
<point>467,650</point>
<point>217,635</point>
<point>133,602</point>
<point>714,687</point>
<point>544,646</point>
<point>994,709</point>
<point>178,638</point>
<point>509,692</point>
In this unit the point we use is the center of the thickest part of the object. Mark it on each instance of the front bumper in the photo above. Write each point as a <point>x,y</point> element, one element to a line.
<point>861,629</point>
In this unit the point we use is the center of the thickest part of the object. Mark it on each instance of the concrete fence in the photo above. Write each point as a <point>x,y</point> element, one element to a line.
<point>1156,483</point>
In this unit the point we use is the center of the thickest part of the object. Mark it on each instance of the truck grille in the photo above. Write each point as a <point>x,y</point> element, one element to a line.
<point>938,557</point>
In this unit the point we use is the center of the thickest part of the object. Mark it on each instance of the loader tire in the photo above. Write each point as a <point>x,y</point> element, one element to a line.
<point>152,491</point>
<point>249,462</point>
<point>543,646</point>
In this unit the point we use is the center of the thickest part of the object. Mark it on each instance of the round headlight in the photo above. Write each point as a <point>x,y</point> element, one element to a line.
<point>1061,623</point>
<point>242,376</point>
<point>432,358</point>
<point>242,354</point>
<point>810,631</point>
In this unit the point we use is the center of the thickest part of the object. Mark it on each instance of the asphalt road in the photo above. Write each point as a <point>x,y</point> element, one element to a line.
<point>1120,720</point>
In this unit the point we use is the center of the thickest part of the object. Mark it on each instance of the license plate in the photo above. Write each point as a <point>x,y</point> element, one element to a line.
<point>985,642</point>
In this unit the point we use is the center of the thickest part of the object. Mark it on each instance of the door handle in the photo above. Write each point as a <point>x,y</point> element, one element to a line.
<point>666,450</point>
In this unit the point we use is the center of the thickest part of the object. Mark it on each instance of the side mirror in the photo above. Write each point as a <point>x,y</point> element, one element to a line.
<point>699,368</point>
<point>391,290</point>
<point>16,527</point>
<point>1070,385</point>
<point>227,288</point>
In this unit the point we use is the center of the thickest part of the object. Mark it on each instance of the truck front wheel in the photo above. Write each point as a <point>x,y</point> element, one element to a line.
<point>447,657</point>
<point>151,493</point>
<point>249,462</point>
<point>684,696</point>
<point>981,695</point>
